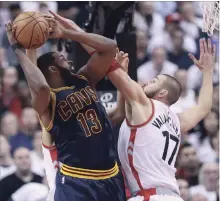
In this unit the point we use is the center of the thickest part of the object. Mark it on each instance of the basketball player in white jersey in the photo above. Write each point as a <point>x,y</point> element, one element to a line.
<point>149,138</point>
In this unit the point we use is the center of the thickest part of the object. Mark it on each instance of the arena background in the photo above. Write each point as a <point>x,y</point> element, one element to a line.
<point>158,37</point>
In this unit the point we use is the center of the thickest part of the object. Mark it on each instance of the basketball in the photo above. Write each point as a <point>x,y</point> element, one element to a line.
<point>32,29</point>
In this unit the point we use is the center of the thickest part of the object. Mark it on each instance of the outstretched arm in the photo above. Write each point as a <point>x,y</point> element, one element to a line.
<point>130,90</point>
<point>118,114</point>
<point>40,90</point>
<point>190,117</point>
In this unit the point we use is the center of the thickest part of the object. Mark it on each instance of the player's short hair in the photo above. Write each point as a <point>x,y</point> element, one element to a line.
<point>44,61</point>
<point>174,89</point>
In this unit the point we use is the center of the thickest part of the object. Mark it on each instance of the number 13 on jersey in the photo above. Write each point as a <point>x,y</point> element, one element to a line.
<point>89,122</point>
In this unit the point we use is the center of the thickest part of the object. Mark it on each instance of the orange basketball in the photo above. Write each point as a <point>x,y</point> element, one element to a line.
<point>32,29</point>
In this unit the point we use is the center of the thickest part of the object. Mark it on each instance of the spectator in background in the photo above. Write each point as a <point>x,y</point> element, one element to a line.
<point>160,6</point>
<point>22,176</point>
<point>190,24</point>
<point>147,19</point>
<point>29,121</point>
<point>195,82</point>
<point>6,162</point>
<point>208,182</point>
<point>165,38</point>
<point>10,129</point>
<point>198,196</point>
<point>158,65</point>
<point>9,96</point>
<point>208,176</point>
<point>7,56</point>
<point>178,55</point>
<point>24,94</point>
<point>215,103</point>
<point>141,45</point>
<point>187,98</point>
<point>184,189</point>
<point>37,155</point>
<point>188,164</point>
<point>210,127</point>
<point>36,192</point>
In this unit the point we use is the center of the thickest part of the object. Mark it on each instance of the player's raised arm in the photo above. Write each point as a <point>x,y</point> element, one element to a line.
<point>131,90</point>
<point>69,24</point>
<point>100,60</point>
<point>190,117</point>
<point>40,90</point>
<point>118,114</point>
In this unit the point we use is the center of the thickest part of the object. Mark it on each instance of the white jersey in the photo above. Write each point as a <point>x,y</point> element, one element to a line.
<point>148,152</point>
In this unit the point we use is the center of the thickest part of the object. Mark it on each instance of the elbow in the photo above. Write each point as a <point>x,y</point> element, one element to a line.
<point>43,89</point>
<point>111,46</point>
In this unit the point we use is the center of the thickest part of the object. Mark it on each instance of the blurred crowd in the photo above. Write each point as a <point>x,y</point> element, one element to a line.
<point>165,33</point>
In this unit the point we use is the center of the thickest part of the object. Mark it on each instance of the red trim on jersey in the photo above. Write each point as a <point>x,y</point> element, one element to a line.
<point>49,147</point>
<point>146,122</point>
<point>130,158</point>
<point>114,66</point>
<point>53,155</point>
<point>147,193</point>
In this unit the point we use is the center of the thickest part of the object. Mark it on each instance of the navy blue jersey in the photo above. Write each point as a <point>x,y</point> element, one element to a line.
<point>80,127</point>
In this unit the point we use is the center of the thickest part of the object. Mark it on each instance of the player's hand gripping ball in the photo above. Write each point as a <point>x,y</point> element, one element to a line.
<point>31,29</point>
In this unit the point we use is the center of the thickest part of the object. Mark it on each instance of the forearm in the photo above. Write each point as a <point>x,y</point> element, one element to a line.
<point>35,78</point>
<point>32,55</point>
<point>97,42</point>
<point>206,92</point>
<point>78,29</point>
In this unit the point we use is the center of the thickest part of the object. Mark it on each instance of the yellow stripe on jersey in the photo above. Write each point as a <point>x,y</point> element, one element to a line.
<point>89,174</point>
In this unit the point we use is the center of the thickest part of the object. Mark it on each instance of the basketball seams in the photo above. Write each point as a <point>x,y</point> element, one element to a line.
<point>41,30</point>
<point>29,16</point>
<point>23,29</point>
<point>28,24</point>
<point>39,23</point>
<point>32,35</point>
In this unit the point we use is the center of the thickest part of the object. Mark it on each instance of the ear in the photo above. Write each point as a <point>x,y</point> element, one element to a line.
<point>163,93</point>
<point>53,69</point>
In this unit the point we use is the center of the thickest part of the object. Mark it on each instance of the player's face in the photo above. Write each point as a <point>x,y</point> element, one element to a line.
<point>65,68</point>
<point>153,87</point>
<point>62,62</point>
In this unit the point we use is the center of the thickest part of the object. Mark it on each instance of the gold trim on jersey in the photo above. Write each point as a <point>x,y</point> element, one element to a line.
<point>61,88</point>
<point>82,77</point>
<point>53,102</point>
<point>89,174</point>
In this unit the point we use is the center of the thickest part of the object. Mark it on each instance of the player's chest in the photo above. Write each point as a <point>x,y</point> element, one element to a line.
<point>70,102</point>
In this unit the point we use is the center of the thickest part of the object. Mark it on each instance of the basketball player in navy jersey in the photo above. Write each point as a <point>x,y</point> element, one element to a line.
<point>70,111</point>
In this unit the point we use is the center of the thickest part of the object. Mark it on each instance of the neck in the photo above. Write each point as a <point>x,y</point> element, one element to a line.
<point>177,50</point>
<point>6,160</point>
<point>25,176</point>
<point>192,171</point>
<point>56,83</point>
<point>140,53</point>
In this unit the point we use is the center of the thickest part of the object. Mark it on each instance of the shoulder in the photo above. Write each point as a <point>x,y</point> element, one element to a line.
<point>8,179</point>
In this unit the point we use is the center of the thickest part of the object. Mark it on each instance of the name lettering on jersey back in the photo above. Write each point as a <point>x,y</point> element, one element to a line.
<point>75,102</point>
<point>165,119</point>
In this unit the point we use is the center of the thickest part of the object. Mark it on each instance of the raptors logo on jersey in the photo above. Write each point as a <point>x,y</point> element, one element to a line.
<point>148,151</point>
